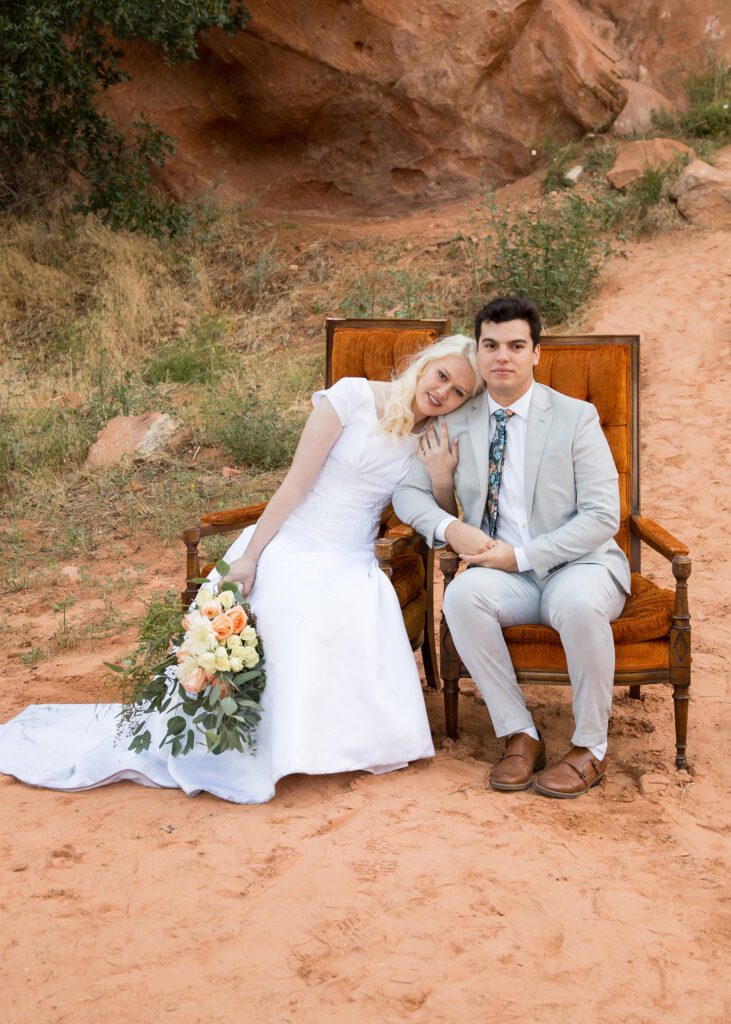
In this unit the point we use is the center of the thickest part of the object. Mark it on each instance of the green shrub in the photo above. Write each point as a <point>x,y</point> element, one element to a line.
<point>56,56</point>
<point>708,116</point>
<point>389,292</point>
<point>257,430</point>
<point>195,358</point>
<point>552,256</point>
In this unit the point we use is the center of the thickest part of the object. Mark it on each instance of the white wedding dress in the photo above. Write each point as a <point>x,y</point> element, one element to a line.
<point>342,690</point>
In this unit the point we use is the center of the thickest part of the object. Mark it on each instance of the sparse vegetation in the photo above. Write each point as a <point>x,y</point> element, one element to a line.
<point>706,124</point>
<point>553,255</point>
<point>391,292</point>
<point>257,430</point>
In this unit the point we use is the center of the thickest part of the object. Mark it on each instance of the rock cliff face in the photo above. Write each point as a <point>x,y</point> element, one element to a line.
<point>370,104</point>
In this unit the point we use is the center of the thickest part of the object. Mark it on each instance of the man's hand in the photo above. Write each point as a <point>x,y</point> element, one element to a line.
<point>500,556</point>
<point>467,540</point>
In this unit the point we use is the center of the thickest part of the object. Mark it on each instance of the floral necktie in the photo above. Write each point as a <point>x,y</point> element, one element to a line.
<point>497,458</point>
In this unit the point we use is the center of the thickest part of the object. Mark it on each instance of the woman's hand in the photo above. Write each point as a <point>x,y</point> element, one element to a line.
<point>242,571</point>
<point>438,456</point>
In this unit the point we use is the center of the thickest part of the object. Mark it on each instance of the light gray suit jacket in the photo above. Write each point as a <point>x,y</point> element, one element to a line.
<point>571,492</point>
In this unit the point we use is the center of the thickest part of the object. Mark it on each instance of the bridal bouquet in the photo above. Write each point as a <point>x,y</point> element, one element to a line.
<point>210,682</point>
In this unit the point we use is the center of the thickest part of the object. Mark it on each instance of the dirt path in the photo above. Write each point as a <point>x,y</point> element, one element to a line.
<point>418,896</point>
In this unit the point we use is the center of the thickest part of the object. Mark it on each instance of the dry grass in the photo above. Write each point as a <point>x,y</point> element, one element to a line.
<point>95,324</point>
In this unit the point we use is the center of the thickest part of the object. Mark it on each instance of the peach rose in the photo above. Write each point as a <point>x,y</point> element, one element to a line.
<point>192,678</point>
<point>238,618</point>
<point>182,653</point>
<point>222,626</point>
<point>224,688</point>
<point>211,608</point>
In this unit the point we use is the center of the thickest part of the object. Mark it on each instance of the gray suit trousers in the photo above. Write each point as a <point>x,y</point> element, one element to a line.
<point>579,601</point>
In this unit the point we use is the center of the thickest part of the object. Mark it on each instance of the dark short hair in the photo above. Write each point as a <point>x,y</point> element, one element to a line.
<point>511,307</point>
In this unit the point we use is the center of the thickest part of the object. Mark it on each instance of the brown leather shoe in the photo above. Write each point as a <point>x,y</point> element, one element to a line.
<point>574,775</point>
<point>523,755</point>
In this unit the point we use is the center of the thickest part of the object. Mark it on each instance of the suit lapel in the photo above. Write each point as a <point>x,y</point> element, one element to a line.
<point>479,428</point>
<point>540,415</point>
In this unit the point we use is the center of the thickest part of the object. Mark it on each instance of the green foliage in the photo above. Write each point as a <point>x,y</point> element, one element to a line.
<point>708,116</point>
<point>601,158</point>
<point>552,256</point>
<point>643,207</point>
<point>55,56</point>
<point>388,292</point>
<point>159,624</point>
<point>225,712</point>
<point>195,358</point>
<point>560,159</point>
<point>257,430</point>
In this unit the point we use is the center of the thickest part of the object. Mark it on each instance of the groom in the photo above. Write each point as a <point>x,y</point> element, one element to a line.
<point>537,485</point>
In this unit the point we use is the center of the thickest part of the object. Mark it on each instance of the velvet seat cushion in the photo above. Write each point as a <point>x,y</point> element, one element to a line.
<point>647,615</point>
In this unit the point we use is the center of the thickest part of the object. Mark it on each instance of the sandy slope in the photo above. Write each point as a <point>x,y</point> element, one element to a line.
<point>421,896</point>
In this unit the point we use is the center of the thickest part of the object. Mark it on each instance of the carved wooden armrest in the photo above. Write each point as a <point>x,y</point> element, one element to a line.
<point>657,537</point>
<point>231,519</point>
<point>398,541</point>
<point>212,523</point>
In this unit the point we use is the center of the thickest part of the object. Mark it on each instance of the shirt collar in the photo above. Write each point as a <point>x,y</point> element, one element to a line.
<point>520,407</point>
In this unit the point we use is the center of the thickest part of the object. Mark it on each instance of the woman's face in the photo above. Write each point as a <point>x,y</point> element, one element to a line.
<point>444,385</point>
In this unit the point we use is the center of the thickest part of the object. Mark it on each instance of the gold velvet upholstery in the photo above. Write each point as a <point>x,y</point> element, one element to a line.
<point>652,636</point>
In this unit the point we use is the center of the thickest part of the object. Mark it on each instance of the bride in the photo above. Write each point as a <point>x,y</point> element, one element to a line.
<point>342,690</point>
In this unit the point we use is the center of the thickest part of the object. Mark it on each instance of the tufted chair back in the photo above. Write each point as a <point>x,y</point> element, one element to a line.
<point>375,348</point>
<point>600,370</point>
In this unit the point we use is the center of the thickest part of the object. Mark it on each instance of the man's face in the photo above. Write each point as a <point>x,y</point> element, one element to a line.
<point>505,358</point>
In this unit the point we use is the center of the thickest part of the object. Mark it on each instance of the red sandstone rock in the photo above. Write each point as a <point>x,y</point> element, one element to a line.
<point>634,158</point>
<point>703,194</point>
<point>366,105</point>
<point>369,104</point>
<point>132,437</point>
<point>636,115</point>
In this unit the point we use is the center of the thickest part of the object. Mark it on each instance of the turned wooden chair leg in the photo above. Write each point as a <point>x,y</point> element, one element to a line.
<point>191,539</point>
<point>429,646</point>
<point>450,661</point>
<point>680,657</point>
<point>681,699</point>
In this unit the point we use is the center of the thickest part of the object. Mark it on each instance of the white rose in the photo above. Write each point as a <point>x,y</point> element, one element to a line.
<point>234,641</point>
<point>207,661</point>
<point>248,635</point>
<point>250,658</point>
<point>235,663</point>
<point>221,660</point>
<point>227,600</point>
<point>206,593</point>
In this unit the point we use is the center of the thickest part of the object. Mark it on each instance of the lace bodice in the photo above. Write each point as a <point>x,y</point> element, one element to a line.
<point>359,475</point>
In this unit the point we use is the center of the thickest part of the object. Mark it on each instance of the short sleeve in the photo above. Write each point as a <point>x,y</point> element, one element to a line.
<point>345,396</point>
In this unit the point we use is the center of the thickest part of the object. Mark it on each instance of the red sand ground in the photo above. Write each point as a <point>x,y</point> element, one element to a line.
<point>419,896</point>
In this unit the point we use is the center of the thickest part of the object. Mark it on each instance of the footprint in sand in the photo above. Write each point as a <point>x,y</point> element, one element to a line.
<point>65,856</point>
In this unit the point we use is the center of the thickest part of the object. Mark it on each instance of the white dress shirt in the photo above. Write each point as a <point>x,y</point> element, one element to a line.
<point>512,522</point>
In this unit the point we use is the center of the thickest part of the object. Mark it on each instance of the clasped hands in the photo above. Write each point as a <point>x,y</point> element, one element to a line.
<point>476,548</point>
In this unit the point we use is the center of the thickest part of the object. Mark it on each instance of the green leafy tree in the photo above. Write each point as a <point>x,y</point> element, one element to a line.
<point>55,56</point>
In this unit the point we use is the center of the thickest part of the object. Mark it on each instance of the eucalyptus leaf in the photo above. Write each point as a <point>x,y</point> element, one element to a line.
<point>176,725</point>
<point>228,706</point>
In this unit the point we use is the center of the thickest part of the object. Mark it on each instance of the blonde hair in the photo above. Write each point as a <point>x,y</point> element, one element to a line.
<point>398,416</point>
